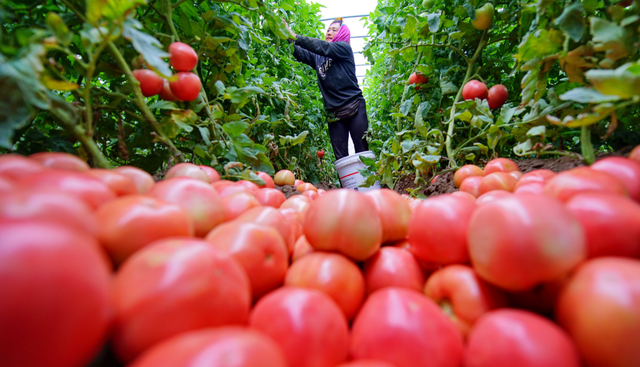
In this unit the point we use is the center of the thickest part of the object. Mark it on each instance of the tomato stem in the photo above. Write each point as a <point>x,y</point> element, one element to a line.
<point>586,146</point>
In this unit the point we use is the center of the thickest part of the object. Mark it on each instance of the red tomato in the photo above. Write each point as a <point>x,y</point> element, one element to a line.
<point>366,363</point>
<point>188,170</point>
<point>497,96</point>
<point>211,173</point>
<point>183,57</point>
<point>635,154</point>
<point>267,179</point>
<point>474,89</point>
<point>258,248</point>
<point>55,308</point>
<point>600,308</point>
<point>198,199</point>
<point>393,267</point>
<point>346,221</point>
<point>248,184</point>
<point>166,93</point>
<point>491,196</point>
<point>418,78</point>
<point>150,82</point>
<point>516,174</point>
<point>173,286</point>
<point>270,217</point>
<point>463,295</point>
<point>297,183</point>
<point>434,179</point>
<point>228,190</point>
<point>297,202</point>
<point>284,177</point>
<point>471,185</point>
<point>536,176</point>
<point>238,203</point>
<point>120,184</point>
<point>463,194</point>
<point>228,346</point>
<point>310,194</point>
<point>497,181</point>
<point>405,328</point>
<point>332,274</point>
<point>132,222</point>
<point>611,223</point>
<point>295,219</point>
<point>320,153</point>
<point>306,187</point>
<point>394,212</point>
<point>6,185</point>
<point>582,179</point>
<point>270,197</point>
<point>142,179</point>
<point>301,248</point>
<point>438,228</point>
<point>500,165</point>
<point>468,170</point>
<point>49,206</point>
<point>510,241</point>
<point>187,87</point>
<point>62,161</point>
<point>531,188</point>
<point>624,169</point>
<point>307,324</point>
<point>14,167</point>
<point>506,338</point>
<point>86,188</point>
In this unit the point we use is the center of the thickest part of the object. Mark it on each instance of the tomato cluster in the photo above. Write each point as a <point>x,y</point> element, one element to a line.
<point>185,85</point>
<point>534,269</point>
<point>496,96</point>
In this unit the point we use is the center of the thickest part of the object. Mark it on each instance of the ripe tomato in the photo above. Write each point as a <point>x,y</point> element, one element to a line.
<point>438,227</point>
<point>418,78</point>
<point>366,363</point>
<point>49,206</point>
<point>405,328</point>
<point>142,179</point>
<point>497,96</point>
<point>267,180</point>
<point>230,346</point>
<point>55,308</point>
<point>474,89</point>
<point>295,219</point>
<point>627,171</point>
<point>150,82</point>
<point>199,200</point>
<point>582,179</point>
<point>211,173</point>
<point>258,248</point>
<point>62,161</point>
<point>463,295</point>
<point>166,93</point>
<point>14,166</point>
<point>311,194</point>
<point>320,153</point>
<point>491,196</point>
<point>333,274</point>
<point>307,324</point>
<point>394,213</point>
<point>284,177</point>
<point>600,308</point>
<point>270,197</point>
<point>173,286</point>
<point>220,185</point>
<point>6,185</point>
<point>238,203</point>
<point>535,176</point>
<point>497,181</point>
<point>393,267</point>
<point>346,221</point>
<point>297,183</point>
<point>128,224</point>
<point>484,17</point>
<point>187,87</point>
<point>516,174</point>
<point>531,188</point>
<point>86,188</point>
<point>188,170</point>
<point>248,184</point>
<point>505,338</point>
<point>270,217</point>
<point>471,185</point>
<point>635,154</point>
<point>301,248</point>
<point>463,194</point>
<point>228,190</point>
<point>468,170</point>
<point>297,202</point>
<point>183,57</point>
<point>306,187</point>
<point>611,223</point>
<point>500,165</point>
<point>510,238</point>
<point>120,184</point>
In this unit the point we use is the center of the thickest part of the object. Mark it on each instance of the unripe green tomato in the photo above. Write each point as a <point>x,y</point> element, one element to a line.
<point>484,17</point>
<point>427,4</point>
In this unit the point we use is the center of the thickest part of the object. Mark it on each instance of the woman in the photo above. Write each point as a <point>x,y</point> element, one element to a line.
<point>335,67</point>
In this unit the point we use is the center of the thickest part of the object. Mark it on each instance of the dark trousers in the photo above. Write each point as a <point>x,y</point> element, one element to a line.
<point>356,126</point>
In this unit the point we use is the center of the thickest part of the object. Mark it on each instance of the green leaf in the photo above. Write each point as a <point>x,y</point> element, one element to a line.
<point>219,87</point>
<point>537,131</point>
<point>409,27</point>
<point>235,128</point>
<point>572,21</point>
<point>623,82</point>
<point>447,87</point>
<point>58,28</point>
<point>241,95</point>
<point>109,9</point>
<point>609,37</point>
<point>506,114</point>
<point>408,145</point>
<point>542,43</point>
<point>590,5</point>
<point>419,121</point>
<point>434,22</point>
<point>184,119</point>
<point>587,95</point>
<point>294,140</point>
<point>206,135</point>
<point>465,116</point>
<point>163,105</point>
<point>149,47</point>
<point>471,11</point>
<point>405,107</point>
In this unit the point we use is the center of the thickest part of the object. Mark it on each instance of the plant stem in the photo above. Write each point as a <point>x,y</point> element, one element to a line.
<point>586,146</point>
<point>85,139</point>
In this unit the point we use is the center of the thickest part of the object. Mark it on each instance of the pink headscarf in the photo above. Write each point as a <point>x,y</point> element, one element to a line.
<point>344,34</point>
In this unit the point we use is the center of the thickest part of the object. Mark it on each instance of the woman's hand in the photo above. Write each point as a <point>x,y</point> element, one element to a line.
<point>289,29</point>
